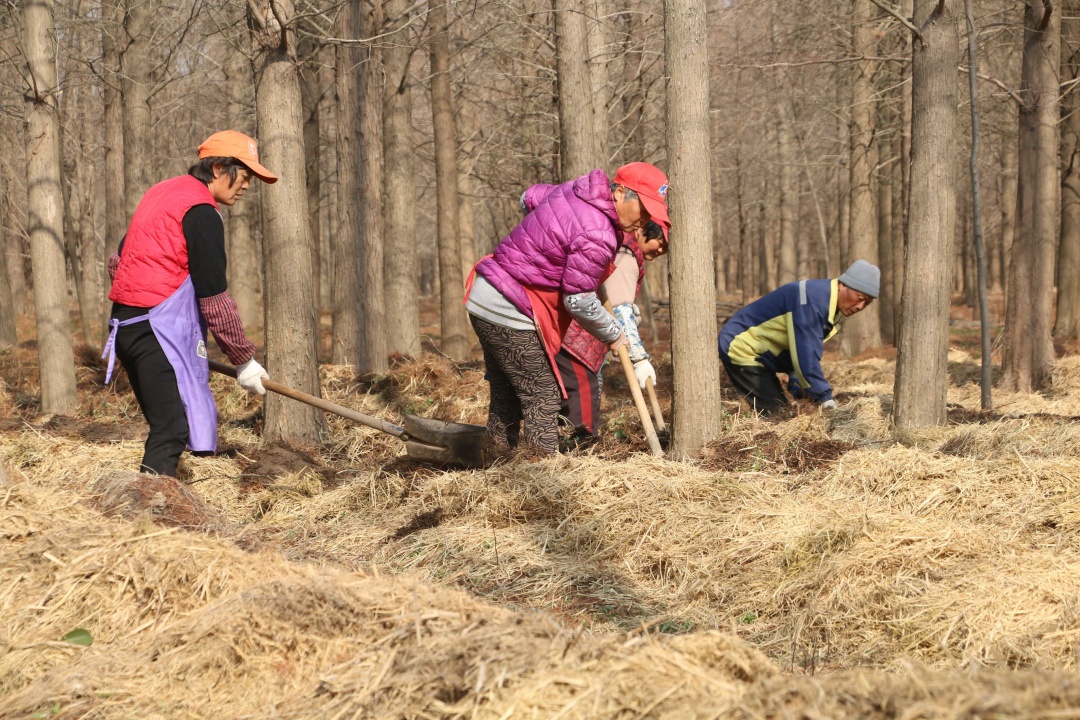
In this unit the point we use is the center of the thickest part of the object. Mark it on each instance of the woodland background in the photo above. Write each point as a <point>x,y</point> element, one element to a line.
<point>413,127</point>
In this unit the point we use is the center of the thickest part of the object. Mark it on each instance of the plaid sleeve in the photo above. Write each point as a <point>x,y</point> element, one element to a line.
<point>223,319</point>
<point>114,262</point>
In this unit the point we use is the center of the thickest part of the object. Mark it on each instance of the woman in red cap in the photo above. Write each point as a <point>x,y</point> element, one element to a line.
<point>169,287</point>
<point>544,274</point>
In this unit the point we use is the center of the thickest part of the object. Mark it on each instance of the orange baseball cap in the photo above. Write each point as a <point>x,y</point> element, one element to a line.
<point>650,184</point>
<point>230,143</point>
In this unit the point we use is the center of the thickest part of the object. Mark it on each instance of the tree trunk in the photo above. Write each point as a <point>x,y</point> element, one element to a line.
<point>1068,272</point>
<point>244,259</point>
<point>577,136</point>
<point>1028,353</point>
<point>746,251</point>
<point>345,330</point>
<point>922,359</point>
<point>788,265</point>
<point>597,41</point>
<point>8,312</point>
<point>885,250</point>
<point>838,251</point>
<point>1008,193</point>
<point>696,380</point>
<point>14,256</point>
<point>137,121</point>
<point>291,339</point>
<point>310,94</point>
<point>455,325</point>
<point>113,127</point>
<point>401,276</point>
<point>863,330</point>
<point>45,212</point>
<point>374,357</point>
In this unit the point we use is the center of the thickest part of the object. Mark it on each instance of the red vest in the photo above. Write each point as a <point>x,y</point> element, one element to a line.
<point>577,341</point>
<point>154,262</point>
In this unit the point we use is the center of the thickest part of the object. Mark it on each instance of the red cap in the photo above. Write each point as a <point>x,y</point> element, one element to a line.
<point>230,143</point>
<point>650,184</point>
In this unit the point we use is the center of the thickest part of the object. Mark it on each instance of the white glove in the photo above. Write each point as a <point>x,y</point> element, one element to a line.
<point>250,376</point>
<point>828,405</point>
<point>643,370</point>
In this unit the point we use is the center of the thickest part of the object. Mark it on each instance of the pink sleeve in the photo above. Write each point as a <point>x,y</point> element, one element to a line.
<point>223,318</point>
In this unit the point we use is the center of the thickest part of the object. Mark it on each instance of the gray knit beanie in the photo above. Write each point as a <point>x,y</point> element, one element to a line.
<point>863,277</point>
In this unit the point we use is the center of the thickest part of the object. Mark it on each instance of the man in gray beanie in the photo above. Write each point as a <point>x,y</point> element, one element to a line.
<point>785,331</point>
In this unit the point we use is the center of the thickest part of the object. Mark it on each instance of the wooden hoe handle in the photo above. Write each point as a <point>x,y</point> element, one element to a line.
<point>639,401</point>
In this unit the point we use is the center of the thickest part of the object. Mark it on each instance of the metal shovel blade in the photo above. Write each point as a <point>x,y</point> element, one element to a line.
<point>445,443</point>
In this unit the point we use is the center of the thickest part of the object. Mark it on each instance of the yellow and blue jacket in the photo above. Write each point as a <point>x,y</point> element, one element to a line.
<point>785,331</point>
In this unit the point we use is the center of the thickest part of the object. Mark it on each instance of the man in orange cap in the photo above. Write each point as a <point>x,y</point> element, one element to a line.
<point>169,287</point>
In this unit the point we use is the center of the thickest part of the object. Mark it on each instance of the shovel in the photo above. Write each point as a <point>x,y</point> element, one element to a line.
<point>432,441</point>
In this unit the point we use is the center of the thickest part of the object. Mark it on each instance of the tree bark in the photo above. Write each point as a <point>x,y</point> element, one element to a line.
<point>14,256</point>
<point>291,339</point>
<point>345,333</point>
<point>113,127</point>
<point>922,358</point>
<point>137,121</point>
<point>788,266</point>
<point>1028,353</point>
<point>45,212</point>
<point>1067,326</point>
<point>1008,187</point>
<point>597,42</point>
<point>577,136</point>
<point>863,330</point>
<point>455,326</point>
<point>885,250</point>
<point>244,260</point>
<point>401,276</point>
<point>696,380</point>
<point>310,95</point>
<point>8,312</point>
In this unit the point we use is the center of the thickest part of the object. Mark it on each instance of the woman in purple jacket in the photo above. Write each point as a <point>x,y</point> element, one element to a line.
<point>544,274</point>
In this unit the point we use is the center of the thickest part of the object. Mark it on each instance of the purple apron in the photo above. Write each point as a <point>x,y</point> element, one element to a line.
<point>177,325</point>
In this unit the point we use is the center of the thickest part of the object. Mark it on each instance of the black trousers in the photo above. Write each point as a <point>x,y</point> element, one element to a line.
<point>154,382</point>
<point>757,385</point>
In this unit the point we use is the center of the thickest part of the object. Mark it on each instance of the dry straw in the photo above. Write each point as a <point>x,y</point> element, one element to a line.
<point>920,577</point>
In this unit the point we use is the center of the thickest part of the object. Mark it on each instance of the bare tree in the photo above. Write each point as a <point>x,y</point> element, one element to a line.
<point>8,313</point>
<point>45,208</point>
<point>577,136</point>
<point>137,122</point>
<point>310,95</point>
<point>696,381</point>
<point>863,330</point>
<point>1068,269</point>
<point>243,267</point>
<point>400,270</point>
<point>455,339</point>
<point>922,360</point>
<point>113,126</point>
<point>291,339</point>
<point>1028,355</point>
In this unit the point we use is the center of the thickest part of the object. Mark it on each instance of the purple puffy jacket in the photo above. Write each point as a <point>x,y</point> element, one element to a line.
<point>566,243</point>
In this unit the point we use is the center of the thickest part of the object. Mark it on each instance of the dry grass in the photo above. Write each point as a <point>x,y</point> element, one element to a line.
<point>933,575</point>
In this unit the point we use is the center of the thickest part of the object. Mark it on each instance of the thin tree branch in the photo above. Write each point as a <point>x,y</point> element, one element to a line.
<point>903,20</point>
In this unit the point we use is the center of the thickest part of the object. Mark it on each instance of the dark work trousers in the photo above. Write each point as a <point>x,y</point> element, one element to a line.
<point>758,386</point>
<point>154,382</point>
<point>522,384</point>
<point>581,408</point>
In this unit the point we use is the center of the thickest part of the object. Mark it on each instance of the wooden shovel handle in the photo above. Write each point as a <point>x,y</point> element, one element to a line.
<point>658,414</point>
<point>639,401</point>
<point>330,407</point>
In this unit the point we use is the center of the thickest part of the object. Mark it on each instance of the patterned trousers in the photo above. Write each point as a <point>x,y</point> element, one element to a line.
<point>523,386</point>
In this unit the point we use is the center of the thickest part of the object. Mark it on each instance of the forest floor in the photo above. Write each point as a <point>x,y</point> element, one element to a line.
<point>816,566</point>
